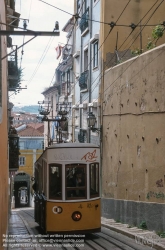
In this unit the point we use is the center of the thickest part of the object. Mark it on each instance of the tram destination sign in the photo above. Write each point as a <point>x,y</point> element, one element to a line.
<point>79,154</point>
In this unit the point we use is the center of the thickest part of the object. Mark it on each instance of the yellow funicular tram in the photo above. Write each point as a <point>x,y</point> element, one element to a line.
<point>67,192</point>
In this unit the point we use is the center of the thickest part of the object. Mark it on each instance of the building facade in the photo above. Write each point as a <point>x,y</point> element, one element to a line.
<point>31,145</point>
<point>4,177</point>
<point>57,104</point>
<point>87,68</point>
<point>7,8</point>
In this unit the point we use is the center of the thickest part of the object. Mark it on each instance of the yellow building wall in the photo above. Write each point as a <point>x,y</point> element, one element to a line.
<point>31,155</point>
<point>136,10</point>
<point>4,167</point>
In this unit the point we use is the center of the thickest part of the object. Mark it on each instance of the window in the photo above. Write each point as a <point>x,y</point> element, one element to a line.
<point>75,181</point>
<point>55,181</point>
<point>21,144</point>
<point>94,180</point>
<point>95,54</point>
<point>68,82</point>
<point>44,165</point>
<point>22,161</point>
<point>85,59</point>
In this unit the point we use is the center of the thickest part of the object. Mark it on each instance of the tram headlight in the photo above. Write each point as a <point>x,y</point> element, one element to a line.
<point>76,216</point>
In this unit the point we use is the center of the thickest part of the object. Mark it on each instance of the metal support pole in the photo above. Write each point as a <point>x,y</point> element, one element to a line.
<point>29,33</point>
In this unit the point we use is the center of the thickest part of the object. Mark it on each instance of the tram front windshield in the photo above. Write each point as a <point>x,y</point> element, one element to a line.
<point>76,181</point>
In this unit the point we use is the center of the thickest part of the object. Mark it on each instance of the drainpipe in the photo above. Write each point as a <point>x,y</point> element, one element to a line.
<point>90,67</point>
<point>81,61</point>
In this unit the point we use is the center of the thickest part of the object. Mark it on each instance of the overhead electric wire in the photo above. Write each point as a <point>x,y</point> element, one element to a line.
<point>70,35</point>
<point>129,64</point>
<point>56,7</point>
<point>102,72</point>
<point>143,67</point>
<point>106,38</point>
<point>30,9</point>
<point>144,26</point>
<point>41,59</point>
<point>22,52</point>
<point>139,22</point>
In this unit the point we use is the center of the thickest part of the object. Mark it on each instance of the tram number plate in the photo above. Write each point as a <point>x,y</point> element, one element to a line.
<point>57,210</point>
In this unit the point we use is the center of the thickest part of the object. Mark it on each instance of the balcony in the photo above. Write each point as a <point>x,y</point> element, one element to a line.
<point>66,52</point>
<point>12,17</point>
<point>83,80</point>
<point>84,21</point>
<point>13,75</point>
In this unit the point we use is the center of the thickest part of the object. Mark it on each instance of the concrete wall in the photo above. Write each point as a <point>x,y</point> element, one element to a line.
<point>134,137</point>
<point>133,213</point>
<point>4,168</point>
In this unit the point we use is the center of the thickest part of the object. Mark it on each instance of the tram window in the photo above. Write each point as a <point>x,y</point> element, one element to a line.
<point>35,185</point>
<point>40,179</point>
<point>55,181</point>
<point>75,181</point>
<point>44,177</point>
<point>94,179</point>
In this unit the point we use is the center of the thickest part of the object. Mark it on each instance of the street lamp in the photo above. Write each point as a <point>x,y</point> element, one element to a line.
<point>91,120</point>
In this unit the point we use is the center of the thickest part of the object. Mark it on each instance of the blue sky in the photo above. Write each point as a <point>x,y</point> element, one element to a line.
<point>39,57</point>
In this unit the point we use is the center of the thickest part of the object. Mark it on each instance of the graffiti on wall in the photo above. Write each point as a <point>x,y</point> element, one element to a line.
<point>152,194</point>
<point>159,183</point>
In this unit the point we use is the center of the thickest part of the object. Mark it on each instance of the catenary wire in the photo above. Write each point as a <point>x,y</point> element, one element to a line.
<point>71,34</point>
<point>102,72</point>
<point>56,7</point>
<point>41,59</point>
<point>105,38</point>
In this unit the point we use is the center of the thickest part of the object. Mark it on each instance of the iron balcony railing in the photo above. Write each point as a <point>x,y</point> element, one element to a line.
<point>84,20</point>
<point>66,51</point>
<point>14,74</point>
<point>83,80</point>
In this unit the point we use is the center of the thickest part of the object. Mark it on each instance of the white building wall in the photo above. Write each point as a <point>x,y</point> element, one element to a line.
<point>82,43</point>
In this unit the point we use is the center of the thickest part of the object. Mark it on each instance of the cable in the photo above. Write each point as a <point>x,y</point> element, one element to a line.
<point>30,9</point>
<point>22,52</point>
<point>70,35</point>
<point>140,22</point>
<point>41,59</point>
<point>105,40</point>
<point>144,26</point>
<point>119,48</point>
<point>56,8</point>
<point>136,73</point>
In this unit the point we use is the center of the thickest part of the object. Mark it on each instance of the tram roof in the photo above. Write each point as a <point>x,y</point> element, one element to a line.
<point>73,145</point>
